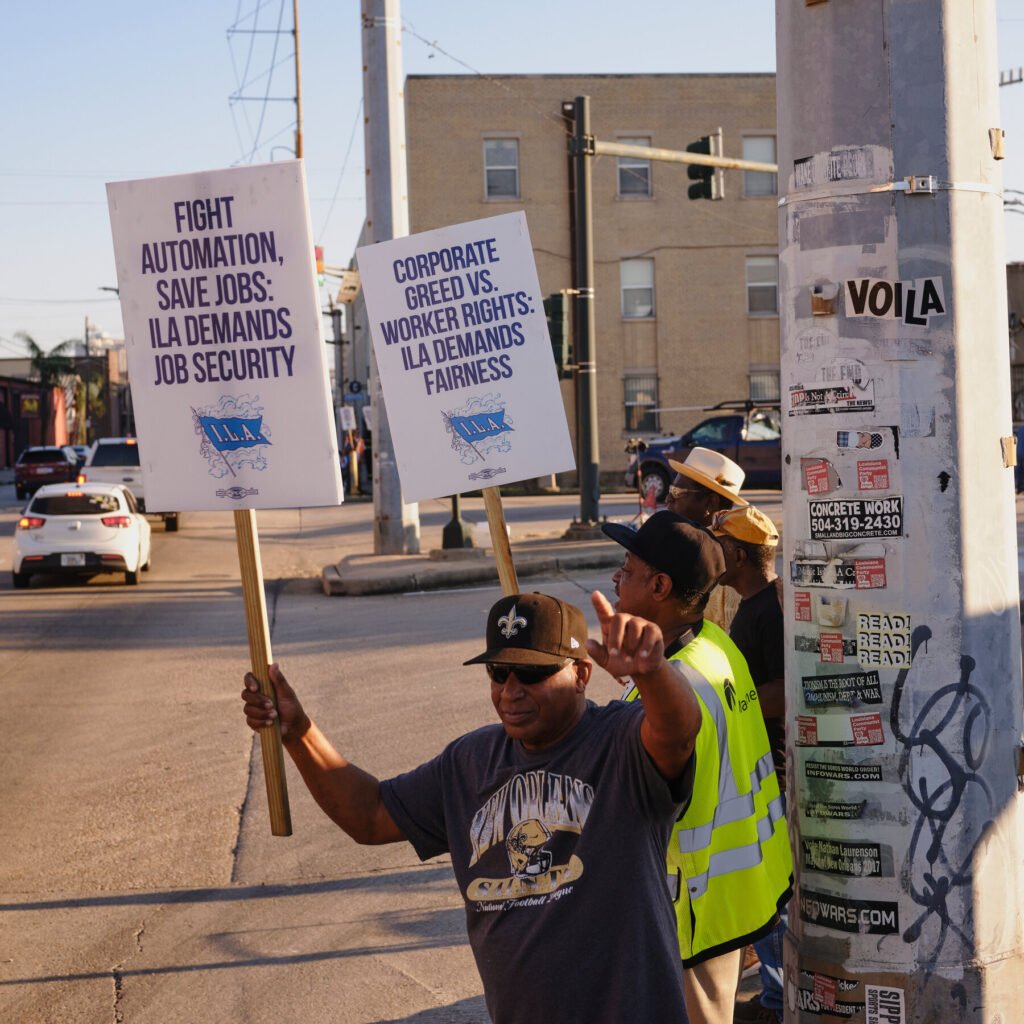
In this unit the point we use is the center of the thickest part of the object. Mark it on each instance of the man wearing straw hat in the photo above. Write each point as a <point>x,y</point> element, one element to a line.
<point>704,484</point>
<point>556,820</point>
<point>729,862</point>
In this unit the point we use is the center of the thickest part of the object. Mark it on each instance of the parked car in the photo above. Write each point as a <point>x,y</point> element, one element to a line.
<point>44,464</point>
<point>748,433</point>
<point>115,460</point>
<point>81,530</point>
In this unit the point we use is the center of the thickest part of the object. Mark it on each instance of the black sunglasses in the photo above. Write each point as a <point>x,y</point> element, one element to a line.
<point>526,674</point>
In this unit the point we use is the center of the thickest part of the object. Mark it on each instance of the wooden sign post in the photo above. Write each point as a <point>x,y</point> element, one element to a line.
<point>260,658</point>
<point>499,541</point>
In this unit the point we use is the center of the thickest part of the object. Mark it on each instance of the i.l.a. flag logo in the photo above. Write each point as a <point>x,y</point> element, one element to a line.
<point>233,432</point>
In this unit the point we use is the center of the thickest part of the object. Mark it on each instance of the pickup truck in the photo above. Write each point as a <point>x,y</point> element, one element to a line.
<point>748,433</point>
<point>115,460</point>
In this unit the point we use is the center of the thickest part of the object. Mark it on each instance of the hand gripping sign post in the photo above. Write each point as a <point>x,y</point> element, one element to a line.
<point>465,364</point>
<point>226,360</point>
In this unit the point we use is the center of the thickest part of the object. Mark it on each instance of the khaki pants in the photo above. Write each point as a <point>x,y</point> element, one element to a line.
<point>710,988</point>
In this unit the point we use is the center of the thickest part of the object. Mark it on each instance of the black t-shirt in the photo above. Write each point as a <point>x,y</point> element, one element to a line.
<point>560,857</point>
<point>758,632</point>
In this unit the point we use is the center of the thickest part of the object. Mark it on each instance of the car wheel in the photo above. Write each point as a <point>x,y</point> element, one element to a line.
<point>131,579</point>
<point>656,477</point>
<point>20,580</point>
<point>171,523</point>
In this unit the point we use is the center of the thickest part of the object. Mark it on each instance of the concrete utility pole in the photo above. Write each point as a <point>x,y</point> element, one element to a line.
<point>396,525</point>
<point>902,605</point>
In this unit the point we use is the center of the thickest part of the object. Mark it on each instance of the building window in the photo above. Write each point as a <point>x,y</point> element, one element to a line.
<point>764,386</point>
<point>760,149</point>
<point>763,285</point>
<point>634,173</point>
<point>501,168</point>
<point>637,278</point>
<point>641,403</point>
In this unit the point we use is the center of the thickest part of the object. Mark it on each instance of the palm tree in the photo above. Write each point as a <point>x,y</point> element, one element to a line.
<point>53,369</point>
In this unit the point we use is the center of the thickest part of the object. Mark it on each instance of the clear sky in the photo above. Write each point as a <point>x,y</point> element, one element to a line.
<point>139,88</point>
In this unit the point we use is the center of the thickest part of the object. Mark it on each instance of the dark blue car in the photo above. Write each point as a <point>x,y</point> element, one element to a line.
<point>750,435</point>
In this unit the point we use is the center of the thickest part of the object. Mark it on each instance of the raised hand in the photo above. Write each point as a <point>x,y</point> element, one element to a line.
<point>629,645</point>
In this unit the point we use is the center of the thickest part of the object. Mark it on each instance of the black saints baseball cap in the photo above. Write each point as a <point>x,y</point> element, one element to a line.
<point>533,629</point>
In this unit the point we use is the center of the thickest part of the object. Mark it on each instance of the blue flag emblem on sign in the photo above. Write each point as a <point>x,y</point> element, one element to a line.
<point>480,425</point>
<point>233,432</point>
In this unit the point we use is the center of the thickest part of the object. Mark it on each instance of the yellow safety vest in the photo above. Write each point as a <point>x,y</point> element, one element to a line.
<point>729,863</point>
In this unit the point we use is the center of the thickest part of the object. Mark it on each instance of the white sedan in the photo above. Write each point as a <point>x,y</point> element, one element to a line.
<point>81,530</point>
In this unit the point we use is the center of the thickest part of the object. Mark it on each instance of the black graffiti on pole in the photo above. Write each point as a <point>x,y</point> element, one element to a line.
<point>933,875</point>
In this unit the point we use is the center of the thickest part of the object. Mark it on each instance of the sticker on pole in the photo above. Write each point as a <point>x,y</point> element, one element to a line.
<point>465,360</point>
<point>222,331</point>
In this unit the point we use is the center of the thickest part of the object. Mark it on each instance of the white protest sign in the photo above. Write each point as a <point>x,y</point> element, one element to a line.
<point>347,417</point>
<point>222,327</point>
<point>465,362</point>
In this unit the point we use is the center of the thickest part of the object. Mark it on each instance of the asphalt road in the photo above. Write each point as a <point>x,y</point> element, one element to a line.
<point>139,879</point>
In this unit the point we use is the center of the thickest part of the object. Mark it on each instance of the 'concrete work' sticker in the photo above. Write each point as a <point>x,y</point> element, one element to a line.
<point>846,518</point>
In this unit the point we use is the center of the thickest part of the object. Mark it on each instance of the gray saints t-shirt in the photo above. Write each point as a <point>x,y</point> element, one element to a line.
<point>560,856</point>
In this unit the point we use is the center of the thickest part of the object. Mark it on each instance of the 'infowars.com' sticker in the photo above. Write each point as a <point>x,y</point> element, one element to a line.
<point>871,917</point>
<point>884,1005</point>
<point>840,771</point>
<point>883,639</point>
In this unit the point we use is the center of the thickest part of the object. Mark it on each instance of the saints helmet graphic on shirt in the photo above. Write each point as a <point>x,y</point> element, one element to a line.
<point>525,846</point>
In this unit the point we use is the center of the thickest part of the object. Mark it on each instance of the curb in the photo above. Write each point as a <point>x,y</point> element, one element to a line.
<point>336,580</point>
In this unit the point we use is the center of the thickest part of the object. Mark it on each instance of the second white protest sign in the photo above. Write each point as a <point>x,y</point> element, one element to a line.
<point>464,357</point>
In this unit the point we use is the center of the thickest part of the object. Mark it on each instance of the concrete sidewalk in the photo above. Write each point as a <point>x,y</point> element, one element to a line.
<point>538,527</point>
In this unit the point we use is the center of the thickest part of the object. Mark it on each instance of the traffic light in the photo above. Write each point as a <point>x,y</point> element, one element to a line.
<point>556,309</point>
<point>318,252</point>
<point>710,182</point>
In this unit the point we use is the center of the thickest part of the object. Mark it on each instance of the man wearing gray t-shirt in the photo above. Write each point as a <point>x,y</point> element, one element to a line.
<point>556,820</point>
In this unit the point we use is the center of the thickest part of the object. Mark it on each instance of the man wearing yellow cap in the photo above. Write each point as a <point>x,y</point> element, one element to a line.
<point>749,543</point>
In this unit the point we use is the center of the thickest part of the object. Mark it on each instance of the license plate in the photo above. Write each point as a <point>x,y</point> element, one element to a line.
<point>45,469</point>
<point>72,558</point>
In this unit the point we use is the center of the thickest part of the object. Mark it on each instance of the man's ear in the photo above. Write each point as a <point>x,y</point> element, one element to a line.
<point>583,670</point>
<point>661,589</point>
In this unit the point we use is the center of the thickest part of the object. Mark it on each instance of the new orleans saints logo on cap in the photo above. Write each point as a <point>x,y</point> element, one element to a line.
<point>509,624</point>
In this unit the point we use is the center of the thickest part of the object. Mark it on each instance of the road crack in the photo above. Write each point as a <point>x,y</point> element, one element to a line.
<point>117,973</point>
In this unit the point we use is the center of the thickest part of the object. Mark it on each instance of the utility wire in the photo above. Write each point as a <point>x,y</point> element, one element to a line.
<point>341,174</point>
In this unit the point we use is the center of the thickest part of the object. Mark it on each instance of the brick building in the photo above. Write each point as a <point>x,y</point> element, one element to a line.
<point>686,291</point>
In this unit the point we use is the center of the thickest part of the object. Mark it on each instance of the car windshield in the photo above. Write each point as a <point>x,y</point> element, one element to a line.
<point>763,428</point>
<point>116,455</point>
<point>43,455</point>
<point>74,504</point>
